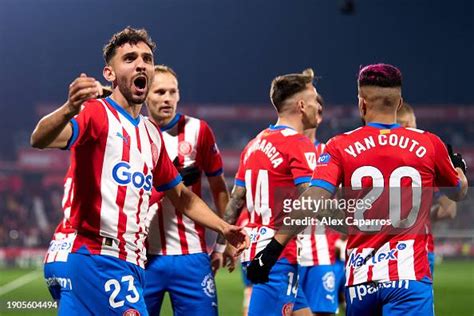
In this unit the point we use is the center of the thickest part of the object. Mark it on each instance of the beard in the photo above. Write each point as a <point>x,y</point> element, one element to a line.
<point>126,91</point>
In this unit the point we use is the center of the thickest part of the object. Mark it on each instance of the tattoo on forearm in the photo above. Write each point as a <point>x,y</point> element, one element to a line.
<point>233,208</point>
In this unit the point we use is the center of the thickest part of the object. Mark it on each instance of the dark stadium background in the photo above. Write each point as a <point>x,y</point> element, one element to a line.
<point>226,53</point>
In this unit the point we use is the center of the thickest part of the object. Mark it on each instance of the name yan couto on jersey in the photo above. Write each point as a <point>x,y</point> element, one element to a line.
<point>386,139</point>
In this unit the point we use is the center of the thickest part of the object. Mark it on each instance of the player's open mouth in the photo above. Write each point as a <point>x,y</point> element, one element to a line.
<point>140,83</point>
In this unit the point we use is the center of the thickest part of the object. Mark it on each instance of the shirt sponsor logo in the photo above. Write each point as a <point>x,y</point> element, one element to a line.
<point>357,260</point>
<point>123,175</point>
<point>362,290</point>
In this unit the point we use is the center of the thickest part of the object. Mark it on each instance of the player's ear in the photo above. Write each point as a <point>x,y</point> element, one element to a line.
<point>300,106</point>
<point>178,96</point>
<point>362,107</point>
<point>108,73</point>
<point>400,104</point>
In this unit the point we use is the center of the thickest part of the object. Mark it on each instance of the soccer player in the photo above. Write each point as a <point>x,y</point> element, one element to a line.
<point>118,158</point>
<point>273,166</point>
<point>316,253</point>
<point>443,207</point>
<point>178,260</point>
<point>387,268</point>
<point>55,261</point>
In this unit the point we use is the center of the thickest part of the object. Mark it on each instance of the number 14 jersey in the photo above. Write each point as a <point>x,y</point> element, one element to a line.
<point>271,167</point>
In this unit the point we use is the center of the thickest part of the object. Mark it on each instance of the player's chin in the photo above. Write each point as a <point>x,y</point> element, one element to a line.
<point>138,98</point>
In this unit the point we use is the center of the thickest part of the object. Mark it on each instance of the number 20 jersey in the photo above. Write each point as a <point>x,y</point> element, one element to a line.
<point>271,167</point>
<point>374,158</point>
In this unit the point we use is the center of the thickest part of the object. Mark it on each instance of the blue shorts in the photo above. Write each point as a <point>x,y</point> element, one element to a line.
<point>319,286</point>
<point>276,297</point>
<point>340,272</point>
<point>431,260</point>
<point>104,285</point>
<point>59,285</point>
<point>187,278</point>
<point>300,301</point>
<point>394,298</point>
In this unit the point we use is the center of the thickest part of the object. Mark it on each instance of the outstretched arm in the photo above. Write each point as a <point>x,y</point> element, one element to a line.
<point>54,130</point>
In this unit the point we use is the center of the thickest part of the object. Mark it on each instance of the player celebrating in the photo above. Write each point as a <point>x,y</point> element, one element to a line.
<point>55,261</point>
<point>178,260</point>
<point>279,159</point>
<point>387,273</point>
<point>118,158</point>
<point>316,253</point>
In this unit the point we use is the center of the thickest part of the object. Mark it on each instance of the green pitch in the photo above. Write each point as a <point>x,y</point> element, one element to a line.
<point>454,291</point>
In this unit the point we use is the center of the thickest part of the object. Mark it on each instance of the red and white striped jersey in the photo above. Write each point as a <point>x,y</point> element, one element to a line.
<point>376,162</point>
<point>189,142</point>
<point>63,237</point>
<point>271,166</point>
<point>118,160</point>
<point>315,244</point>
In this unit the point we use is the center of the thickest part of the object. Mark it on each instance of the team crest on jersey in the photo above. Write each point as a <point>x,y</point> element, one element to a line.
<point>287,309</point>
<point>131,312</point>
<point>329,281</point>
<point>208,286</point>
<point>154,154</point>
<point>311,159</point>
<point>185,148</point>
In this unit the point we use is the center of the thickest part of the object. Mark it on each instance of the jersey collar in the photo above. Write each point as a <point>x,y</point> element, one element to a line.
<point>172,123</point>
<point>279,127</point>
<point>383,126</point>
<point>121,110</point>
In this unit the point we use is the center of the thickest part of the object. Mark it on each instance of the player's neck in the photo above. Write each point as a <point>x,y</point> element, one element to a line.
<point>295,124</point>
<point>131,108</point>
<point>381,118</point>
<point>311,134</point>
<point>164,121</point>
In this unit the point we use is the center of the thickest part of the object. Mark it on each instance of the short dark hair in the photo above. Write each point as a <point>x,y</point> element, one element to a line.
<point>165,69</point>
<point>286,86</point>
<point>380,75</point>
<point>127,35</point>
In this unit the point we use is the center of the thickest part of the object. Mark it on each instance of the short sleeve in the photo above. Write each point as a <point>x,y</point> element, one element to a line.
<point>88,124</point>
<point>165,175</point>
<point>446,175</point>
<point>301,155</point>
<point>328,171</point>
<point>240,175</point>
<point>210,156</point>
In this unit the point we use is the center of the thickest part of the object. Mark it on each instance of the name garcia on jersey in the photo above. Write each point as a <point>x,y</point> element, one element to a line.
<point>268,149</point>
<point>394,140</point>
